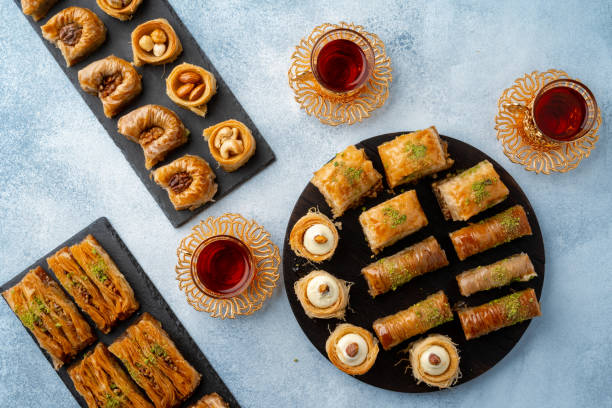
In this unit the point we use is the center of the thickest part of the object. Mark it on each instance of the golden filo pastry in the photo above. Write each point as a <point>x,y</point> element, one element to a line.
<point>435,361</point>
<point>212,400</point>
<point>120,9</point>
<point>156,128</point>
<point>113,80</point>
<point>189,181</point>
<point>36,8</point>
<point>191,87</point>
<point>76,31</point>
<point>314,237</point>
<point>322,295</point>
<point>352,349</point>
<point>231,144</point>
<point>155,42</point>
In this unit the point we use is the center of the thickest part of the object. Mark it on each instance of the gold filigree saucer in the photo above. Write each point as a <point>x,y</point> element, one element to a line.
<point>265,255</point>
<point>339,109</point>
<point>512,126</point>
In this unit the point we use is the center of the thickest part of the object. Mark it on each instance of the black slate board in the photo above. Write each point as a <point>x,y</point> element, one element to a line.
<point>150,300</point>
<point>223,105</point>
<point>352,254</point>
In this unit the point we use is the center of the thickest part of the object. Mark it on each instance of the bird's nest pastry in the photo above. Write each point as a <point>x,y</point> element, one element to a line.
<point>76,31</point>
<point>322,295</point>
<point>231,144</point>
<point>120,9</point>
<point>113,80</point>
<point>314,237</point>
<point>191,87</point>
<point>435,361</point>
<point>352,349</point>
<point>36,8</point>
<point>189,181</point>
<point>155,42</point>
<point>156,128</point>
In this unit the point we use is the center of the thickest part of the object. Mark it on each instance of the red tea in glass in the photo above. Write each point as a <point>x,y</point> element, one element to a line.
<point>559,113</point>
<point>341,65</point>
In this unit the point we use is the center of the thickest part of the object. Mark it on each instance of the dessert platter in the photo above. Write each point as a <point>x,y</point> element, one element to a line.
<point>158,96</point>
<point>107,331</point>
<point>413,261</point>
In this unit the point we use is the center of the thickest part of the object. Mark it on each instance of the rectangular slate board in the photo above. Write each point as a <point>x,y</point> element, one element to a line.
<point>223,105</point>
<point>150,301</point>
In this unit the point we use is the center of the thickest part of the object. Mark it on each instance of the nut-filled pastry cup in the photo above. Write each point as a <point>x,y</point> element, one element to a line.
<point>231,144</point>
<point>314,237</point>
<point>322,295</point>
<point>120,9</point>
<point>191,87</point>
<point>155,42</point>
<point>352,349</point>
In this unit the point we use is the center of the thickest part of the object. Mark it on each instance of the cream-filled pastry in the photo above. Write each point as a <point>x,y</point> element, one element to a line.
<point>322,295</point>
<point>435,361</point>
<point>314,237</point>
<point>319,239</point>
<point>352,349</point>
<point>323,291</point>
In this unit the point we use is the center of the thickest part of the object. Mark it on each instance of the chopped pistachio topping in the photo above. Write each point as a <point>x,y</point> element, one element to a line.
<point>158,350</point>
<point>512,307</point>
<point>509,223</point>
<point>29,318</point>
<point>479,190</point>
<point>99,268</point>
<point>352,174</point>
<point>112,401</point>
<point>41,305</point>
<point>393,217</point>
<point>415,151</point>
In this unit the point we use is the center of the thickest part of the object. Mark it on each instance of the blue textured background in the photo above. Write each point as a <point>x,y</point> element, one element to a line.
<point>59,170</point>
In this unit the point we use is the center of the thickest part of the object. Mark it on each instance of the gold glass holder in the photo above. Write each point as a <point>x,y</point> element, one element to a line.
<point>339,109</point>
<point>519,137</point>
<point>266,257</point>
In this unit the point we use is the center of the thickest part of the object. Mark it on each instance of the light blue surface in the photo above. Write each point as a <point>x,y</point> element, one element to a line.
<point>59,171</point>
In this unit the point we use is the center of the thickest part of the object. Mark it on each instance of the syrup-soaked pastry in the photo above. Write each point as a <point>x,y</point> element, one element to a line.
<point>347,180</point>
<point>392,220</point>
<point>113,80</point>
<point>470,192</point>
<point>213,400</point>
<point>155,364</point>
<point>102,382</point>
<point>411,156</point>
<point>314,237</point>
<point>231,144</point>
<point>503,312</point>
<point>491,232</point>
<point>435,361</point>
<point>189,181</point>
<point>157,129</point>
<point>501,273</point>
<point>191,87</point>
<point>417,319</point>
<point>393,271</point>
<point>322,295</point>
<point>352,349</point>
<point>155,42</point>
<point>51,317</point>
<point>76,31</point>
<point>120,9</point>
<point>36,8</point>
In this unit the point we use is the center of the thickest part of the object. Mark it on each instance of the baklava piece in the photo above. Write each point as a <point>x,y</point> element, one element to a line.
<point>412,156</point>
<point>230,143</point>
<point>113,80</point>
<point>76,31</point>
<point>191,87</point>
<point>322,295</point>
<point>155,364</point>
<point>314,237</point>
<point>157,129</point>
<point>352,349</point>
<point>36,8</point>
<point>189,181</point>
<point>103,383</point>
<point>347,180</point>
<point>120,9</point>
<point>213,400</point>
<point>155,43</point>
<point>53,319</point>
<point>435,361</point>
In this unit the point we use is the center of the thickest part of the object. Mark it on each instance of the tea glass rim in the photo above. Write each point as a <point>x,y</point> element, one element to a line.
<point>589,120</point>
<point>313,63</point>
<point>196,277</point>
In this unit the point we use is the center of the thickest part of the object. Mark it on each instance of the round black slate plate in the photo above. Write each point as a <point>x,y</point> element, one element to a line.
<point>477,356</point>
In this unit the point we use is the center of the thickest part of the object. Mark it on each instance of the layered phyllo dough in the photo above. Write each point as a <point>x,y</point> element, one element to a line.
<point>352,349</point>
<point>322,295</point>
<point>120,9</point>
<point>213,400</point>
<point>36,8</point>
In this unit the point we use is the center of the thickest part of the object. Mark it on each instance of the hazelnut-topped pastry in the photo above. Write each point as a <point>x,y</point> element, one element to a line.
<point>322,295</point>
<point>120,9</point>
<point>191,87</point>
<point>113,80</point>
<point>36,8</point>
<point>156,128</point>
<point>352,349</point>
<point>189,181</point>
<point>231,144</point>
<point>314,237</point>
<point>435,361</point>
<point>155,43</point>
<point>76,31</point>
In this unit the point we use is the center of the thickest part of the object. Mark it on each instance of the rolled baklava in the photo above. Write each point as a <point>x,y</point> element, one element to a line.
<point>322,295</point>
<point>230,143</point>
<point>352,349</point>
<point>191,87</point>
<point>314,237</point>
<point>155,42</point>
